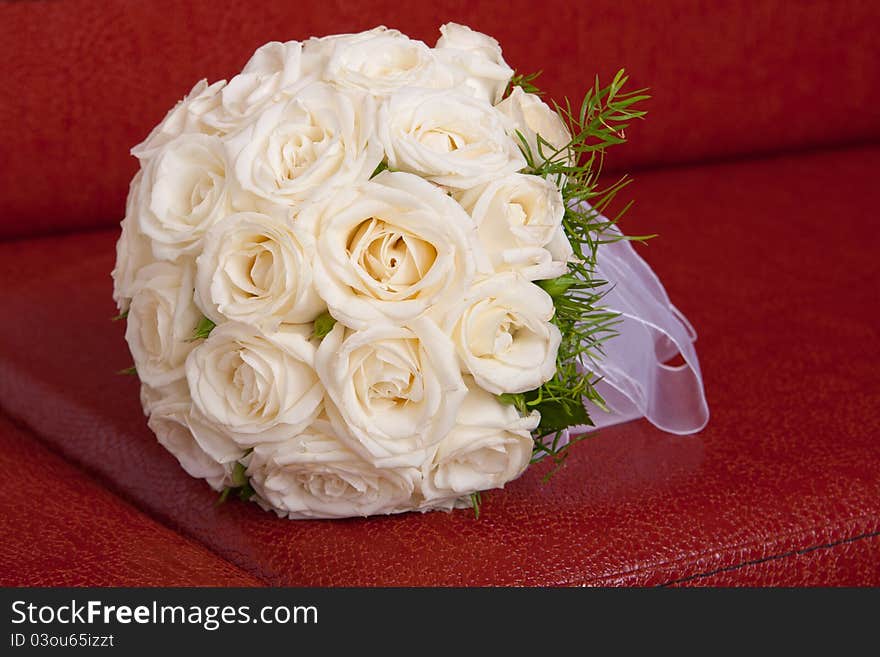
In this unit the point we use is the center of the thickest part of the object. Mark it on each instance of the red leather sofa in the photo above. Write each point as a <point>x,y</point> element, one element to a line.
<point>757,165</point>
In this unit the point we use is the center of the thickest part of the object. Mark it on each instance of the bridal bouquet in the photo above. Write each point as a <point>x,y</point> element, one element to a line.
<point>364,275</point>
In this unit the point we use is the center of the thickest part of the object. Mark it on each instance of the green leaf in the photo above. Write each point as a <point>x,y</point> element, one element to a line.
<point>556,287</point>
<point>122,315</point>
<point>323,324</point>
<point>131,371</point>
<point>517,400</point>
<point>382,166</point>
<point>556,415</point>
<point>239,478</point>
<point>203,329</point>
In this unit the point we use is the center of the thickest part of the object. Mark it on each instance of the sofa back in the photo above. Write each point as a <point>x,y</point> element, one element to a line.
<point>84,80</point>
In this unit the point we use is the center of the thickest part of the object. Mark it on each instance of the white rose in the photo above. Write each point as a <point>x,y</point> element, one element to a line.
<point>153,396</point>
<point>476,59</point>
<point>380,61</point>
<point>531,116</point>
<point>255,387</point>
<point>255,269</point>
<point>133,249</point>
<point>183,193</point>
<point>318,140</point>
<point>161,319</point>
<point>446,136</point>
<point>388,249</point>
<point>490,445</point>
<point>188,116</point>
<point>270,74</point>
<point>519,223</point>
<point>503,335</point>
<point>395,390</point>
<point>203,452</point>
<point>316,52</point>
<point>315,475</point>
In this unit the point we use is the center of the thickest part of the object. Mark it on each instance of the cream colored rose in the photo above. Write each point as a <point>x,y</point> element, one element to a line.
<point>388,249</point>
<point>318,140</point>
<point>161,319</point>
<point>531,116</point>
<point>490,445</point>
<point>315,475</point>
<point>380,61</point>
<point>153,396</point>
<point>519,223</point>
<point>395,390</point>
<point>446,136</point>
<point>183,193</point>
<point>188,116</point>
<point>503,335</point>
<point>256,269</point>
<point>476,61</point>
<point>269,77</point>
<point>255,387</point>
<point>203,452</point>
<point>133,249</point>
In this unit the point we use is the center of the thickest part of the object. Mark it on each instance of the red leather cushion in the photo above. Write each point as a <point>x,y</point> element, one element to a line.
<point>775,263</point>
<point>848,563</point>
<point>84,80</point>
<point>60,527</point>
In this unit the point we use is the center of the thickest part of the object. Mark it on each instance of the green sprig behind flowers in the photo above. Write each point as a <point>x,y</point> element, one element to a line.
<point>324,323</point>
<point>524,81</point>
<point>202,330</point>
<point>241,484</point>
<point>382,166</point>
<point>600,122</point>
<point>476,500</point>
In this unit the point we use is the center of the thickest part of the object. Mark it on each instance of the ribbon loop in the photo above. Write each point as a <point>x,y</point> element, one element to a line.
<point>637,381</point>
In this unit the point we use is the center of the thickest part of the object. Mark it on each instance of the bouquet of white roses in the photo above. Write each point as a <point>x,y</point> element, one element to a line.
<point>361,276</point>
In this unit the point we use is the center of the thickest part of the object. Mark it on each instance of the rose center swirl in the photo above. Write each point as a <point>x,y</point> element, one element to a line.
<point>393,259</point>
<point>389,376</point>
<point>495,331</point>
<point>295,147</point>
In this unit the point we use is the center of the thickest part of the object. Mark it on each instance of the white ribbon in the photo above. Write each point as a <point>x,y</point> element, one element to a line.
<point>637,382</point>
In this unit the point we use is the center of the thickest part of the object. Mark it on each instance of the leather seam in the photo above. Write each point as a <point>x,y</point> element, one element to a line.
<point>691,559</point>
<point>109,487</point>
<point>774,557</point>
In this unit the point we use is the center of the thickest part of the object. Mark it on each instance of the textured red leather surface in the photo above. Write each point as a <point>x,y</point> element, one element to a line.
<point>60,527</point>
<point>847,563</point>
<point>773,260</point>
<point>85,80</point>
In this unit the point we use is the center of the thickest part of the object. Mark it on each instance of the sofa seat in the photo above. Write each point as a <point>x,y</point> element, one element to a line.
<point>62,527</point>
<point>774,261</point>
